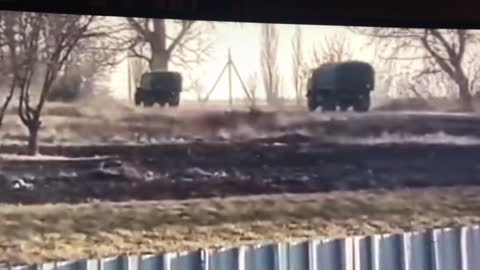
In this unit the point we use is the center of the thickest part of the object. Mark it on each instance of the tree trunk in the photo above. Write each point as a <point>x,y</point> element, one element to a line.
<point>159,60</point>
<point>299,97</point>
<point>158,45</point>
<point>32,148</point>
<point>465,96</point>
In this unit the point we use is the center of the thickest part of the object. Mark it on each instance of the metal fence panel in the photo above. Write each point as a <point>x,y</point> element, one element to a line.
<point>115,263</point>
<point>375,250</point>
<point>471,245</point>
<point>79,265</point>
<point>447,249</point>
<point>331,254</point>
<point>152,262</point>
<point>347,254</point>
<point>298,256</point>
<point>441,249</point>
<point>390,252</point>
<point>362,253</point>
<point>226,259</point>
<point>292,256</point>
<point>418,251</point>
<point>260,257</point>
<point>187,261</point>
<point>30,267</point>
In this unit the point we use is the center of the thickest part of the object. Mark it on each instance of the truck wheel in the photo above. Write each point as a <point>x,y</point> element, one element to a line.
<point>344,107</point>
<point>311,105</point>
<point>138,100</point>
<point>328,109</point>
<point>147,104</point>
<point>329,106</point>
<point>174,102</point>
<point>362,104</point>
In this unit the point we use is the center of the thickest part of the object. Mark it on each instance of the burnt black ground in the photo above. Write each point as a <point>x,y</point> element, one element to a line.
<point>200,170</point>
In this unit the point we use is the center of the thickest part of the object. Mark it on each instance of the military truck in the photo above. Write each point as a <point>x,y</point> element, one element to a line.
<point>161,87</point>
<point>341,85</point>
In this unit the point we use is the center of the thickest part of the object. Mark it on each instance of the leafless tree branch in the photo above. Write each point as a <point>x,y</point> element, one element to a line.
<point>440,49</point>
<point>36,40</point>
<point>299,71</point>
<point>184,43</point>
<point>270,65</point>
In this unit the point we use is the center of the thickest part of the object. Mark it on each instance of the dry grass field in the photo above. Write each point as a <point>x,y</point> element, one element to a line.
<point>106,121</point>
<point>38,233</point>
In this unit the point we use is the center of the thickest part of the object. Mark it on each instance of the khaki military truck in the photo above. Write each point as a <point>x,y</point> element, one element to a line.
<point>341,85</point>
<point>161,87</point>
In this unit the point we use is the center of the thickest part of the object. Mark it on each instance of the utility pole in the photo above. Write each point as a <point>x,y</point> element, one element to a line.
<point>230,93</point>
<point>229,66</point>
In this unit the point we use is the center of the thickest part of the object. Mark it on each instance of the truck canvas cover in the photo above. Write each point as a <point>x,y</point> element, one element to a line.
<point>161,80</point>
<point>345,76</point>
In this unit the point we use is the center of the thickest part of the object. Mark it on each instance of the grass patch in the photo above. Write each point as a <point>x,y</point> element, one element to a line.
<point>32,234</point>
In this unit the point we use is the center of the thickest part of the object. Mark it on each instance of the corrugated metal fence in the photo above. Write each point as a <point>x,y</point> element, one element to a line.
<point>441,249</point>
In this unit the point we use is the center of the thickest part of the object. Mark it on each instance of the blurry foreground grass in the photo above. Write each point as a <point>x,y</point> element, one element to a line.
<point>30,234</point>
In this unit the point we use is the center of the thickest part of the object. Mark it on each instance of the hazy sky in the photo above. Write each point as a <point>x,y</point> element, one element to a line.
<point>244,42</point>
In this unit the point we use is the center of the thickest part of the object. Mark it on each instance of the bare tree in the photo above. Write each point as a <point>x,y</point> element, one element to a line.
<point>79,70</point>
<point>7,99</point>
<point>41,43</point>
<point>199,89</point>
<point>252,89</point>
<point>413,84</point>
<point>270,65</point>
<point>137,66</point>
<point>440,51</point>
<point>188,43</point>
<point>299,71</point>
<point>5,69</point>
<point>333,49</point>
<point>90,63</point>
<point>9,89</point>
<point>22,34</point>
